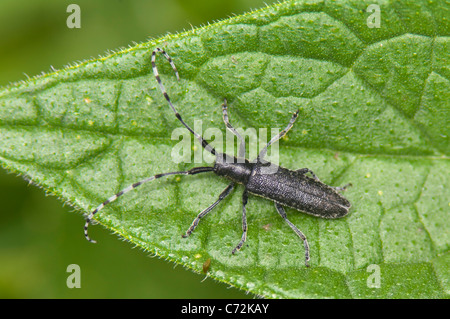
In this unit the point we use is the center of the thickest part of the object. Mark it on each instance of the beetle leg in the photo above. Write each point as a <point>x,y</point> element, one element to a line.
<point>194,224</point>
<point>244,223</point>
<point>343,188</point>
<point>307,170</point>
<point>282,212</point>
<point>232,129</point>
<point>279,136</point>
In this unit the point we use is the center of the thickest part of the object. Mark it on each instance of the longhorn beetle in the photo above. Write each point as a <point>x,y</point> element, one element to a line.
<point>282,186</point>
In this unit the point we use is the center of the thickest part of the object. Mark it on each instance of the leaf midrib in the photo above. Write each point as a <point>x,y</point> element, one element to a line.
<point>408,119</point>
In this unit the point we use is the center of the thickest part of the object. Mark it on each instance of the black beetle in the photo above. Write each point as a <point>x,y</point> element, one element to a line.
<point>285,187</point>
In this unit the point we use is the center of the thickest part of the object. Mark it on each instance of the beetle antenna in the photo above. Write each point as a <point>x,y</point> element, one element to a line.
<point>204,143</point>
<point>193,171</point>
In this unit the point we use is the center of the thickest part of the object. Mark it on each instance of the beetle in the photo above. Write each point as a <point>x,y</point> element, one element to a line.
<point>286,188</point>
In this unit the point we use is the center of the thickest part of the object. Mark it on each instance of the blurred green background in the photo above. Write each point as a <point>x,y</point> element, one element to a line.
<point>39,237</point>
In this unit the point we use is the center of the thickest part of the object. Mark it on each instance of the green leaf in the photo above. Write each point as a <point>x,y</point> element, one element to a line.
<point>373,111</point>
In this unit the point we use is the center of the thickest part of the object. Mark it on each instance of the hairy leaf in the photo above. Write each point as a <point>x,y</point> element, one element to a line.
<point>373,112</point>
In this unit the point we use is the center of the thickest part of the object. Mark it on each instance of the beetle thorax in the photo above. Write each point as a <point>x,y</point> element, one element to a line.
<point>238,170</point>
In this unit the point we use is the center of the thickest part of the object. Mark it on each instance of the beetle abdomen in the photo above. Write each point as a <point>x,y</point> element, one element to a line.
<point>298,191</point>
